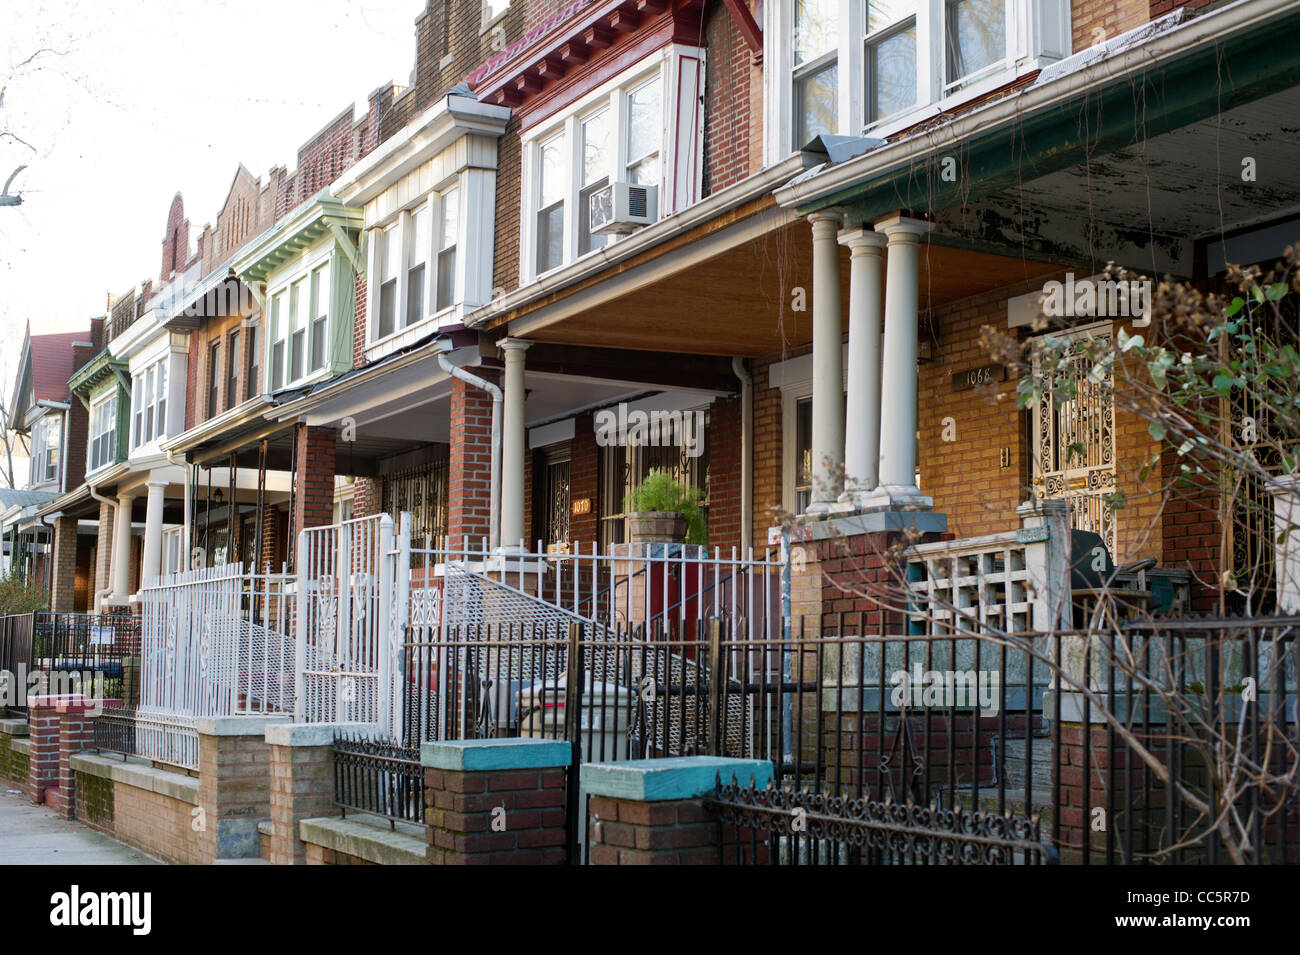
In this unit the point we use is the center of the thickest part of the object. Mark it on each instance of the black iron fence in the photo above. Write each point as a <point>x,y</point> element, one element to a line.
<point>115,730</point>
<point>15,661</point>
<point>97,646</point>
<point>1175,742</point>
<point>379,777</point>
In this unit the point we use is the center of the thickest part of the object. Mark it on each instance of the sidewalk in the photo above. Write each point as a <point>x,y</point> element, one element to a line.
<point>33,835</point>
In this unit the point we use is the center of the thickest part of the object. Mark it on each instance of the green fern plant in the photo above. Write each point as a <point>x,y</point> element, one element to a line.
<point>660,492</point>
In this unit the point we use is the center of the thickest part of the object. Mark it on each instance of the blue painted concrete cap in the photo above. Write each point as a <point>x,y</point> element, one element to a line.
<point>488,755</point>
<point>680,777</point>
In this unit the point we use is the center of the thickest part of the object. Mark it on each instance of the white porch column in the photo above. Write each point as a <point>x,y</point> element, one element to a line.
<point>828,364</point>
<point>151,561</point>
<point>1286,527</point>
<point>862,427</point>
<point>898,418</point>
<point>122,550</point>
<point>513,445</point>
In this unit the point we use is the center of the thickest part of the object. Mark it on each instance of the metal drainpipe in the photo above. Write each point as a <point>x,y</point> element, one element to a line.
<point>746,454</point>
<point>494,529</point>
<point>117,513</point>
<point>49,556</point>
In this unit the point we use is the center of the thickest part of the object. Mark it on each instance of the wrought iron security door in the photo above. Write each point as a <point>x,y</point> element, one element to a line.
<point>1074,440</point>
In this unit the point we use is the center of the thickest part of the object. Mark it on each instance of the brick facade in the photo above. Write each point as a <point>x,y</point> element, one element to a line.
<point>313,501</point>
<point>470,462</point>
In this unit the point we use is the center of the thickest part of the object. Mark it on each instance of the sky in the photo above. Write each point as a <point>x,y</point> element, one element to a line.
<point>116,105</point>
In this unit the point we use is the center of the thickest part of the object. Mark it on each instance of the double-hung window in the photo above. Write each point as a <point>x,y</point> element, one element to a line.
<point>815,58</point>
<point>553,174</point>
<point>149,404</point>
<point>417,258</point>
<point>53,439</point>
<point>297,329</point>
<point>889,56</point>
<point>232,371</point>
<point>320,295</point>
<point>103,432</point>
<point>448,228</point>
<point>277,341</point>
<point>596,162</point>
<point>644,132</point>
<point>250,388</point>
<point>975,34</point>
<point>214,378</point>
<point>160,400</point>
<point>389,250</point>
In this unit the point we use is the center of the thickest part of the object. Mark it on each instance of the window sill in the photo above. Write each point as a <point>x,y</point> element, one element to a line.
<point>955,100</point>
<point>381,347</point>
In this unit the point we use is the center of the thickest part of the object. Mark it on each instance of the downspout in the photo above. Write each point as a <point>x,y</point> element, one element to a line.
<point>746,454</point>
<point>494,529</point>
<point>185,529</point>
<point>117,513</point>
<point>49,556</point>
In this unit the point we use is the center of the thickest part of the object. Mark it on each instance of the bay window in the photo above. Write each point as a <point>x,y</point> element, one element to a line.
<point>149,404</point>
<point>103,432</point>
<point>448,229</point>
<point>871,67</point>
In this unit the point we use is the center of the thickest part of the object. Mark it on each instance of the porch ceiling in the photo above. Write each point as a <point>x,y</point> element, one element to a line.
<point>739,302</point>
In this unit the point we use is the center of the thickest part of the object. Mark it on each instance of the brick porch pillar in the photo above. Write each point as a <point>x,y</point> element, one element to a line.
<point>313,502</point>
<point>64,577</point>
<point>469,464</point>
<point>59,727</point>
<point>495,801</point>
<point>652,812</point>
<point>234,785</point>
<point>302,781</point>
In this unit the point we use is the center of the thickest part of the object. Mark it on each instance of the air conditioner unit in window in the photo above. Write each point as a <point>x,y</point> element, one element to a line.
<point>622,207</point>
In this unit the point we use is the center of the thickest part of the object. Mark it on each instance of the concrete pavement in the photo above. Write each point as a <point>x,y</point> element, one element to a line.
<point>34,835</point>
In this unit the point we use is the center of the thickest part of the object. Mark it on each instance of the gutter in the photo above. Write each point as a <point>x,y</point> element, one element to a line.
<point>494,487</point>
<point>746,456</point>
<point>804,192</point>
<point>117,514</point>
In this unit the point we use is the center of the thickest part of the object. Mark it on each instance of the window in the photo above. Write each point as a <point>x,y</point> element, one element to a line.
<point>232,371</point>
<point>448,229</point>
<point>552,171</point>
<point>319,316</point>
<point>890,58</point>
<point>596,160</point>
<point>251,388</point>
<point>149,404</point>
<point>802,455</point>
<point>816,69</point>
<point>388,251</point>
<point>417,257</point>
<point>277,342</point>
<point>297,330</point>
<point>103,432</point>
<point>214,378</point>
<point>615,135</point>
<point>53,440</point>
<point>492,10</point>
<point>976,32</point>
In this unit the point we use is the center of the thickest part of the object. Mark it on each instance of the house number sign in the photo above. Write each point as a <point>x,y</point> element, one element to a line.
<point>975,377</point>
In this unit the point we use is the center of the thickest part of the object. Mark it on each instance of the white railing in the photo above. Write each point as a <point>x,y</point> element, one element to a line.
<point>213,642</point>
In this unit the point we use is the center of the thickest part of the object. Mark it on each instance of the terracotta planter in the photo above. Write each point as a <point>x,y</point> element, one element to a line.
<point>656,527</point>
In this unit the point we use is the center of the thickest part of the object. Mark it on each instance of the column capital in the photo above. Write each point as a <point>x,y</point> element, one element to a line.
<point>862,240</point>
<point>124,496</point>
<point>514,344</point>
<point>833,215</point>
<point>900,227</point>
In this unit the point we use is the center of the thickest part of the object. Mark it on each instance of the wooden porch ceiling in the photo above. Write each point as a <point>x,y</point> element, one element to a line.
<point>740,302</point>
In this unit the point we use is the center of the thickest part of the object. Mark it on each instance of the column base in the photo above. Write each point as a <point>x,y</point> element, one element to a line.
<point>894,497</point>
<point>822,508</point>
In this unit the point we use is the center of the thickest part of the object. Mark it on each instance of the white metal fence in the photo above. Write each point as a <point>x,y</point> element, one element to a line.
<point>213,642</point>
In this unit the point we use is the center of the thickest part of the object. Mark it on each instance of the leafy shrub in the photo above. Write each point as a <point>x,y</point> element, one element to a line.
<point>19,595</point>
<point>659,492</point>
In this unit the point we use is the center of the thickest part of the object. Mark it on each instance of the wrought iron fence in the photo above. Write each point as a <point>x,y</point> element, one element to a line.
<point>84,645</point>
<point>380,777</point>
<point>115,730</point>
<point>15,660</point>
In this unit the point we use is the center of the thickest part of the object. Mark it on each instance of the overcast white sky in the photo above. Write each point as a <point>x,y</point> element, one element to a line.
<point>139,99</point>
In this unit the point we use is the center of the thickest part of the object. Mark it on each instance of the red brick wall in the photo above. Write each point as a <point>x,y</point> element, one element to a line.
<point>505,273</point>
<point>584,480</point>
<point>469,467</point>
<point>1161,7</point>
<point>724,474</point>
<point>727,119</point>
<point>313,503</point>
<point>1093,21</point>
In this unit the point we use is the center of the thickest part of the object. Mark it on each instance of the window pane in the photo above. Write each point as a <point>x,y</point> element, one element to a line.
<point>587,241</point>
<point>446,278</point>
<point>816,104</point>
<point>644,121</point>
<point>450,207</point>
<point>552,169</point>
<point>415,294</point>
<point>595,148</point>
<point>277,365</point>
<point>891,74</point>
<point>420,236</point>
<point>389,254</point>
<point>816,25</point>
<point>232,373</point>
<point>802,455</point>
<point>387,307</point>
<point>550,237</point>
<point>882,13</point>
<point>251,388</point>
<point>977,35</point>
<point>297,354</point>
<point>318,344</point>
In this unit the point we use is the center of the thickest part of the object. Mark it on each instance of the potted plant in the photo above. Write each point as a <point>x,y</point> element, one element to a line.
<point>663,510</point>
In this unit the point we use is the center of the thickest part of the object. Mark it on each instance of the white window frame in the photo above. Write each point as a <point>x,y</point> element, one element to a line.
<point>1037,33</point>
<point>39,465</point>
<point>611,95</point>
<point>149,388</point>
<point>301,271</point>
<point>98,412</point>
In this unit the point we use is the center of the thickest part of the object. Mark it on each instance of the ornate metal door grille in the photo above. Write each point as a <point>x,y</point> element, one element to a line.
<point>1074,443</point>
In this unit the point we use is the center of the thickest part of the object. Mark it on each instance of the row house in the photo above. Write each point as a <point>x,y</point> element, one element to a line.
<point>786,220</point>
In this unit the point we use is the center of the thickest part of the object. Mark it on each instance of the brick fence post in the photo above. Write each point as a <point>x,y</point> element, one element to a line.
<point>234,785</point>
<point>302,781</point>
<point>495,801</point>
<point>652,811</point>
<point>59,727</point>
